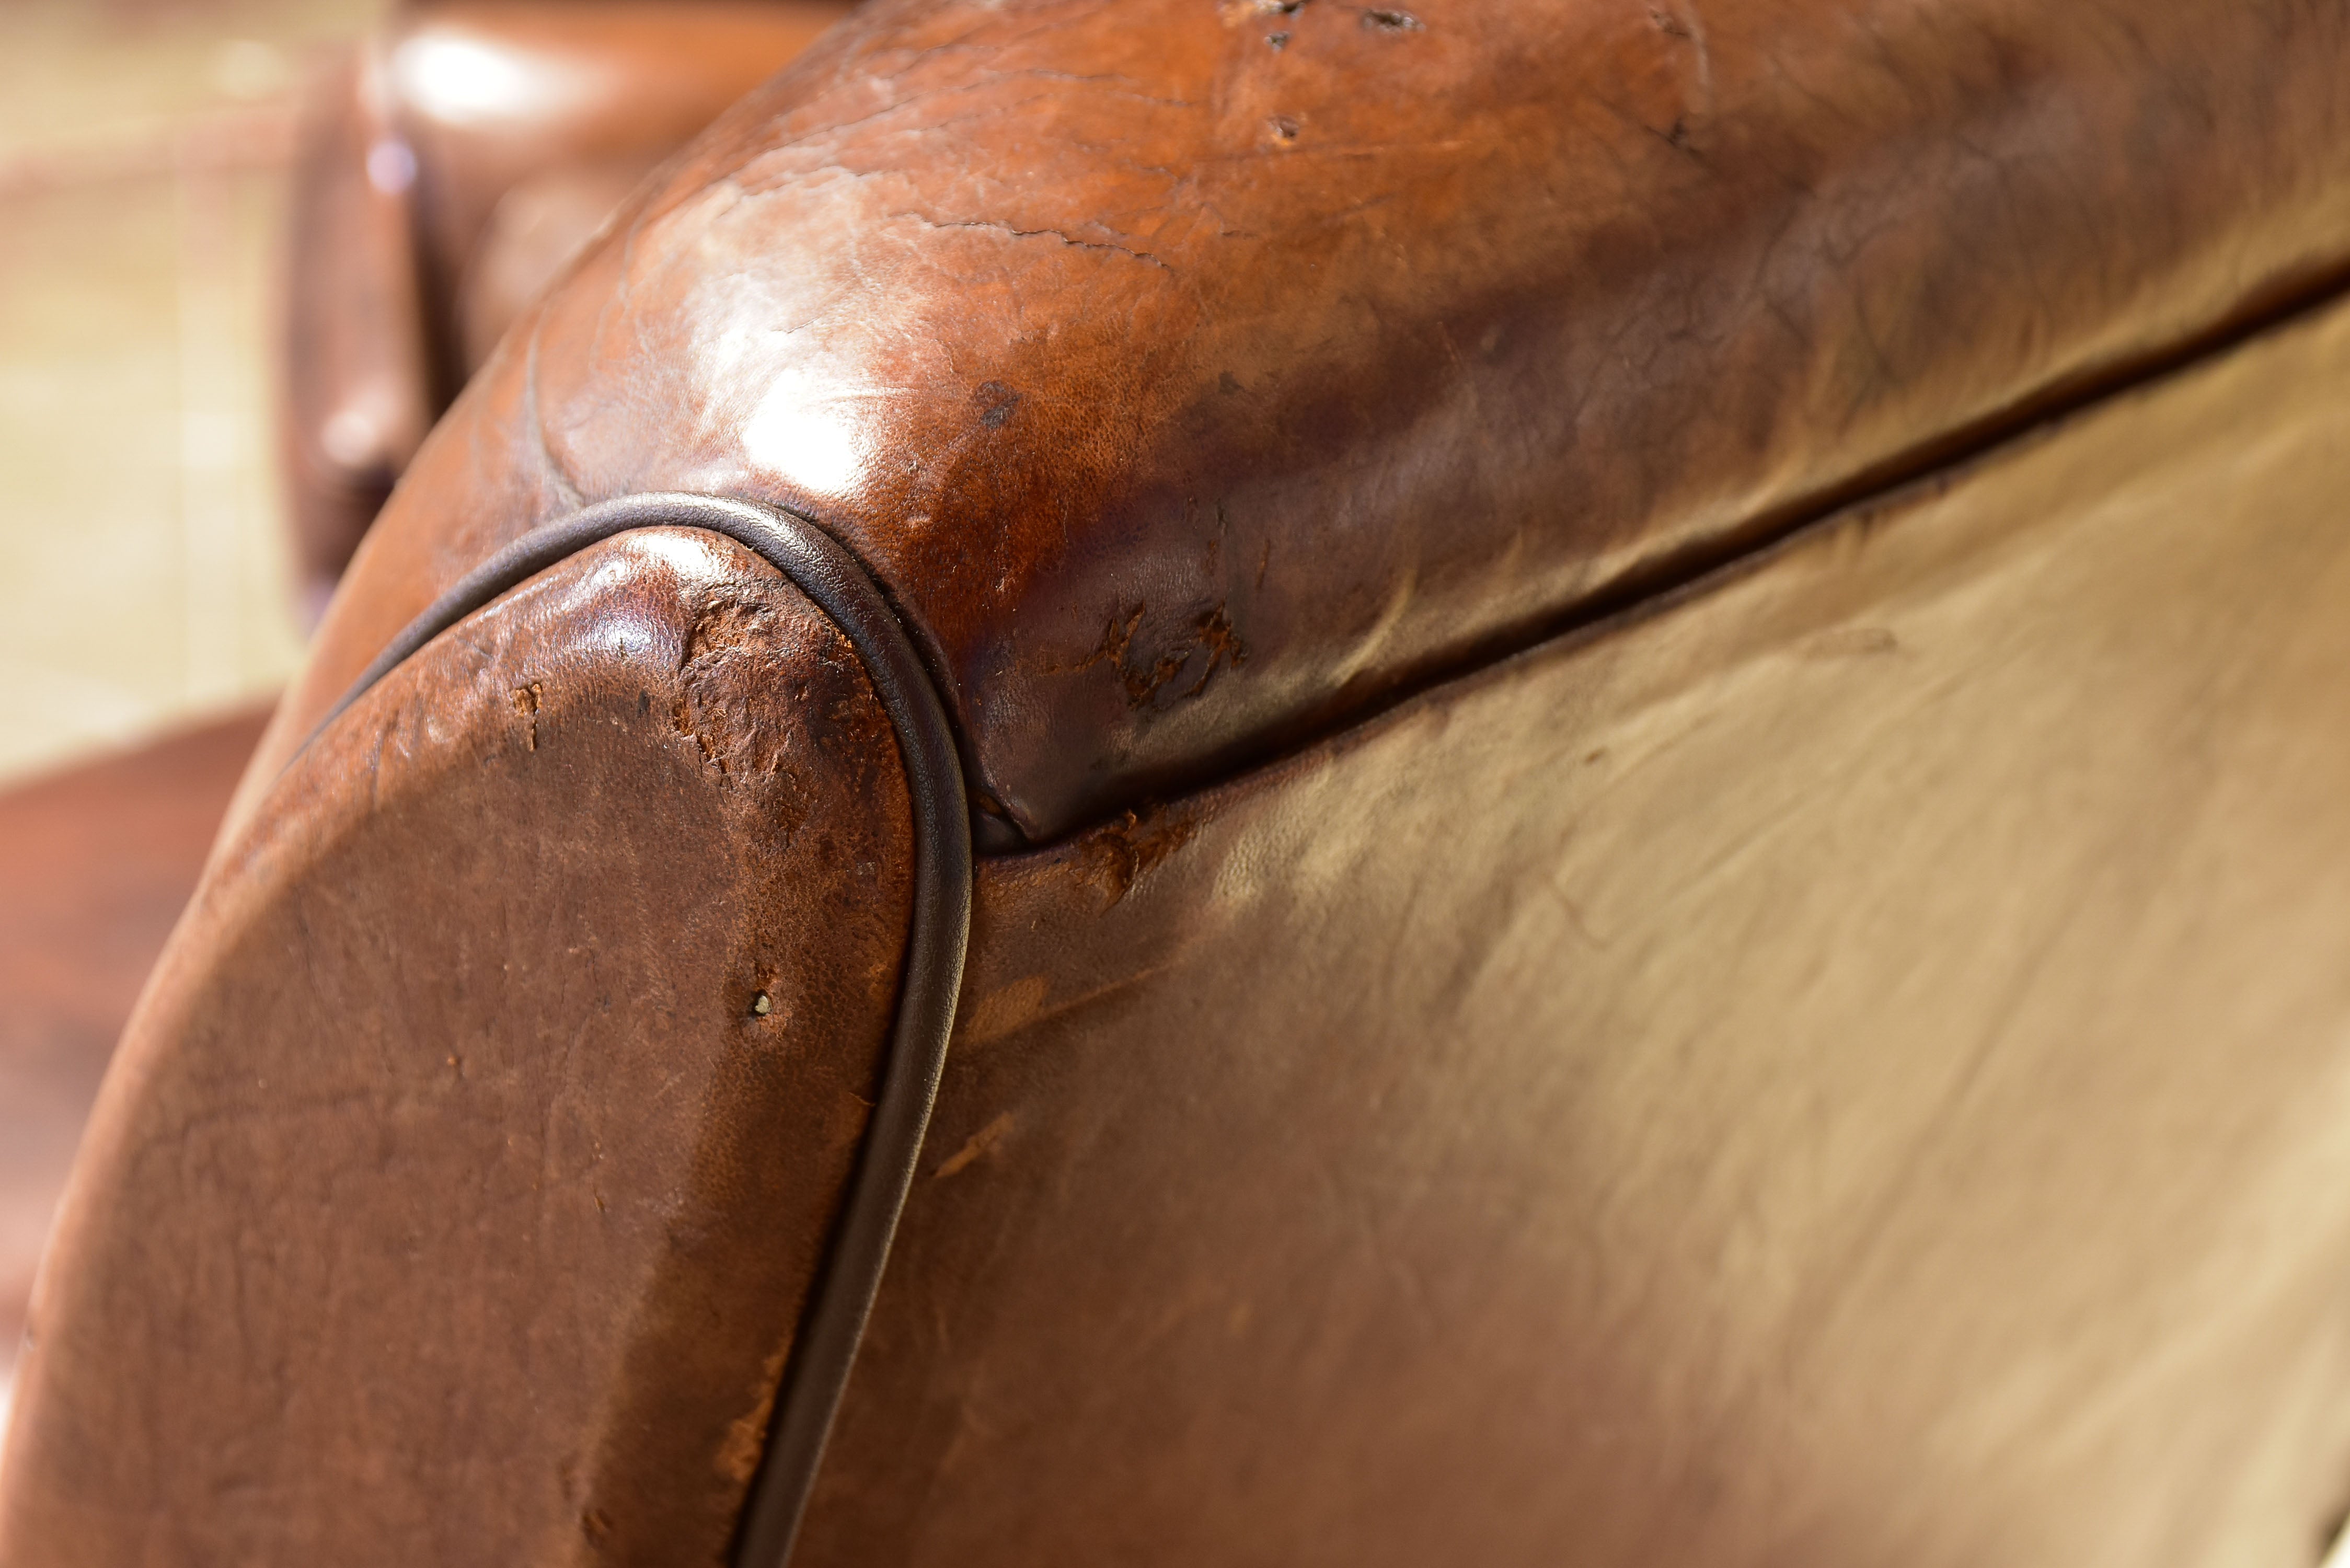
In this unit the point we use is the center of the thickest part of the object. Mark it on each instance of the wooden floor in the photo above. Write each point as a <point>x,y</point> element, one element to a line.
<point>95,863</point>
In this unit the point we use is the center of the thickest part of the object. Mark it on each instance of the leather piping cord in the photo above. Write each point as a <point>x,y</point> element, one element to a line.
<point>816,1372</point>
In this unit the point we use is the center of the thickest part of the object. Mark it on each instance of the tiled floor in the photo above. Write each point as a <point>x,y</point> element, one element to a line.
<point>142,162</point>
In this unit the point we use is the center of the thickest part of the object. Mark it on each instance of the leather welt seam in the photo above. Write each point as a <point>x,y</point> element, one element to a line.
<point>1675,575</point>
<point>825,1348</point>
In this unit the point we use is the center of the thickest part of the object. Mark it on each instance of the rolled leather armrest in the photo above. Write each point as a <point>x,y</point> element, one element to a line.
<point>1476,1045</point>
<point>462,1176</point>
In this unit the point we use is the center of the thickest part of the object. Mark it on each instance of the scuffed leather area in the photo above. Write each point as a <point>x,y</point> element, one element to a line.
<point>452,1199</point>
<point>95,863</point>
<point>1848,1067</point>
<point>1201,375</point>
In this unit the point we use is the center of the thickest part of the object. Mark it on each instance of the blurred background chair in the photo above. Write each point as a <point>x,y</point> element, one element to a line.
<point>1652,736</point>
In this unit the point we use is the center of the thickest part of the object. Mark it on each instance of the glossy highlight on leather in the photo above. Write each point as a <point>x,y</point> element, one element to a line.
<point>1200,378</point>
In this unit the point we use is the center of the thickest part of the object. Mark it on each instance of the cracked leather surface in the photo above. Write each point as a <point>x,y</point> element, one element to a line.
<point>1199,377</point>
<point>95,863</point>
<point>451,1199</point>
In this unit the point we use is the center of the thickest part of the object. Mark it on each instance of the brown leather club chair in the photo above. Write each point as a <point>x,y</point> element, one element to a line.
<point>1538,783</point>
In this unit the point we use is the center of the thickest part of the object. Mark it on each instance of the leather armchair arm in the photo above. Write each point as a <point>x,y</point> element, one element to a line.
<point>1201,380</point>
<point>520,1040</point>
<point>1198,384</point>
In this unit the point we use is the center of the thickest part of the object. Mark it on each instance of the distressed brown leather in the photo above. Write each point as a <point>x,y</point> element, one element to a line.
<point>448,169</point>
<point>1851,1066</point>
<point>448,1200</point>
<point>1199,377</point>
<point>531,121</point>
<point>357,387</point>
<point>1841,1065</point>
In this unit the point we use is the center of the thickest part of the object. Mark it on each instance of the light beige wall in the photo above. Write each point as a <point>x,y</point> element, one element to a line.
<point>143,151</point>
